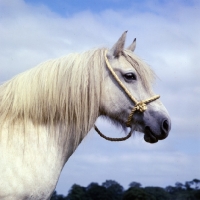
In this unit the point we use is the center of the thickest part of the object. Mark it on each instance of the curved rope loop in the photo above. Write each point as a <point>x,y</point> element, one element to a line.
<point>112,139</point>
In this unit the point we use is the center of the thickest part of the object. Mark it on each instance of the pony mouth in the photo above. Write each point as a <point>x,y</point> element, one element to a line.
<point>149,136</point>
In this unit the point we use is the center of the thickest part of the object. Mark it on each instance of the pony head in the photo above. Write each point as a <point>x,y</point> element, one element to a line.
<point>136,77</point>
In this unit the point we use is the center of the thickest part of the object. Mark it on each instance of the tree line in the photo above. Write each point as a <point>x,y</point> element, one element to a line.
<point>111,190</point>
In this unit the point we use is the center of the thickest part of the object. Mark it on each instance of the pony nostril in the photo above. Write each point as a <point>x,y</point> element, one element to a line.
<point>165,126</point>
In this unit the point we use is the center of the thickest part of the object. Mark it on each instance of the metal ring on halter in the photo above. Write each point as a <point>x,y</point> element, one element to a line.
<point>139,106</point>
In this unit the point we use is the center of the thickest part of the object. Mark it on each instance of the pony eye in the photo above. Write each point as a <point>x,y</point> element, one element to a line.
<point>130,76</point>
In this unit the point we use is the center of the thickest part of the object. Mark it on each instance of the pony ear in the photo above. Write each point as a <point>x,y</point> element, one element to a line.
<point>117,49</point>
<point>132,46</point>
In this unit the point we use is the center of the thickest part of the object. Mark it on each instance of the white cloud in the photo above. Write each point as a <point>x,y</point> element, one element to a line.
<point>167,38</point>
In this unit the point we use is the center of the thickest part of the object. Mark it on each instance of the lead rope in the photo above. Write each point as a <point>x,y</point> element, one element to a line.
<point>139,106</point>
<point>112,139</point>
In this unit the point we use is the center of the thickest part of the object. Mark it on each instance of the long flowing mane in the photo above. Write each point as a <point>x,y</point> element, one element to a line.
<point>64,91</point>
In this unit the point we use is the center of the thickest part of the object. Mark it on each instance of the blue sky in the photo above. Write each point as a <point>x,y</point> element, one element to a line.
<point>168,40</point>
<point>67,8</point>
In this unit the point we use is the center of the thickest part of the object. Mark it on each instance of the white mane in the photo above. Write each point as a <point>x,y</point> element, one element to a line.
<point>64,91</point>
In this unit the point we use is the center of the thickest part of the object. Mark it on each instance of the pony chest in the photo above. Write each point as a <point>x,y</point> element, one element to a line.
<point>28,171</point>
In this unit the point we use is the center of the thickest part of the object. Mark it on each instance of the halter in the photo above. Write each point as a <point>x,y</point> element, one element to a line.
<point>140,106</point>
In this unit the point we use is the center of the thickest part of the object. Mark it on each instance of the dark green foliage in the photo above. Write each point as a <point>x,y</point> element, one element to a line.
<point>196,183</point>
<point>135,184</point>
<point>137,194</point>
<point>77,193</point>
<point>188,191</point>
<point>179,186</point>
<point>188,185</point>
<point>56,196</point>
<point>111,190</point>
<point>97,192</point>
<point>197,194</point>
<point>114,189</point>
<point>171,190</point>
<point>185,195</point>
<point>158,193</point>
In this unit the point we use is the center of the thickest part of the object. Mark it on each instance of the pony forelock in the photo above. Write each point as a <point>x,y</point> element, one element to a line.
<point>146,74</point>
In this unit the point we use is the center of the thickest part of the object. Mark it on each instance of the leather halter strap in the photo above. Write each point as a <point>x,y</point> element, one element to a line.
<point>139,105</point>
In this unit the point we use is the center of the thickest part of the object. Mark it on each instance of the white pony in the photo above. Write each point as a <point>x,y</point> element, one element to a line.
<point>47,111</point>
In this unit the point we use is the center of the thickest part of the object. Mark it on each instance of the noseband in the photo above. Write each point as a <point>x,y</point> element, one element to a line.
<point>140,106</point>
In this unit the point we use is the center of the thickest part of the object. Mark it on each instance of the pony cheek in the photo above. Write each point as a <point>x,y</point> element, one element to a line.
<point>108,103</point>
